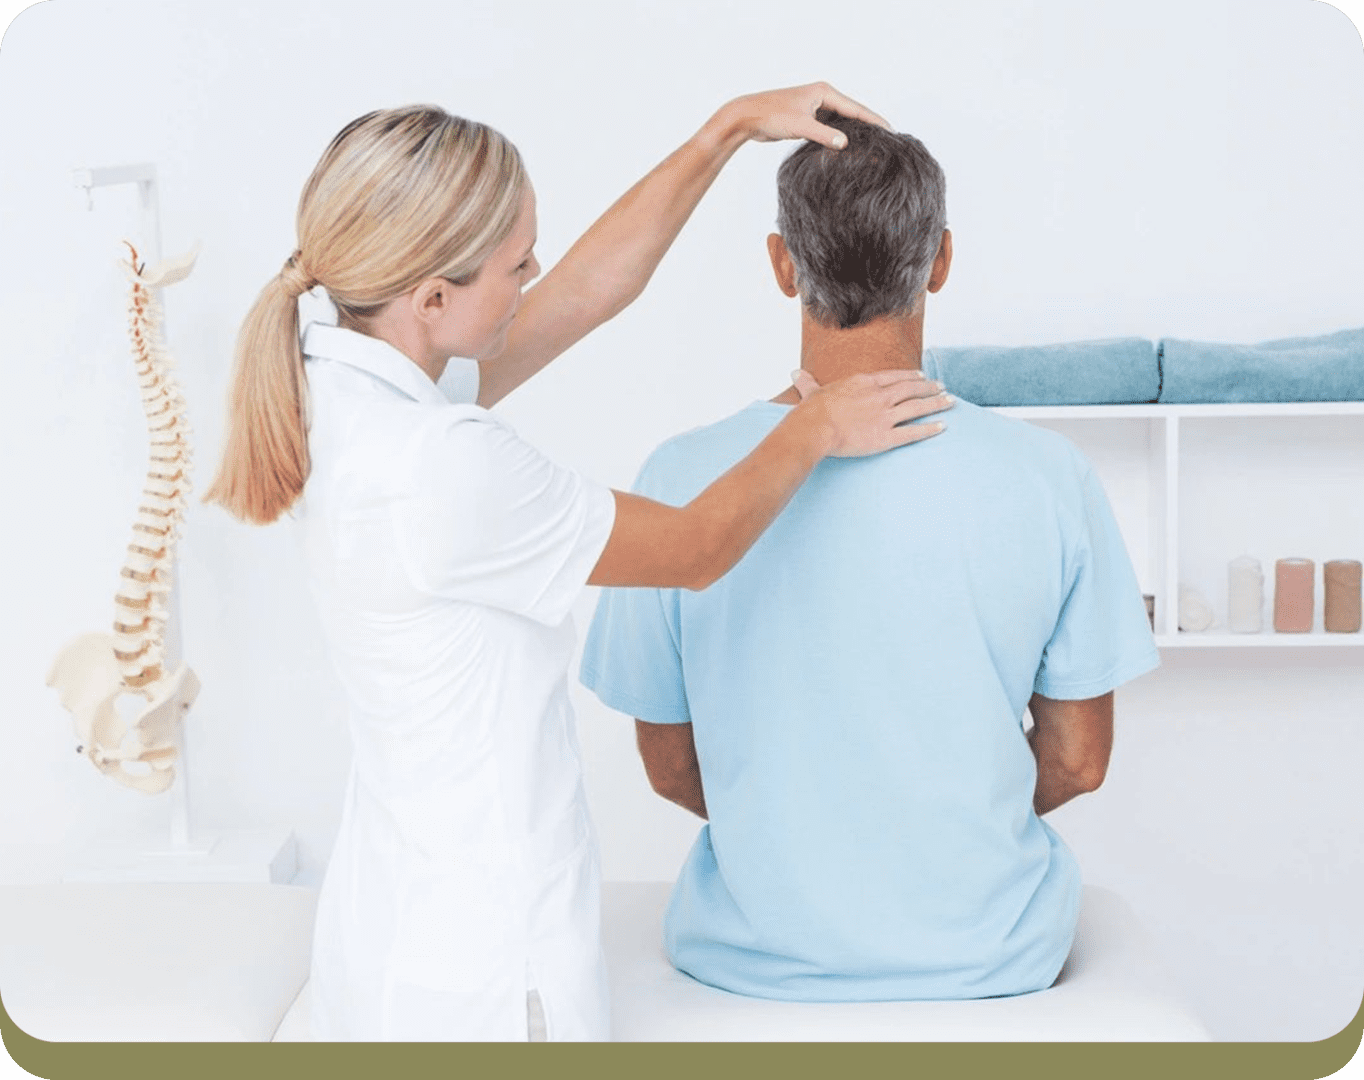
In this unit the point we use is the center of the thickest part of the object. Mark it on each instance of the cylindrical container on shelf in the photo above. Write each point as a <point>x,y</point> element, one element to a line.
<point>1195,613</point>
<point>1342,581</point>
<point>1245,595</point>
<point>1294,580</point>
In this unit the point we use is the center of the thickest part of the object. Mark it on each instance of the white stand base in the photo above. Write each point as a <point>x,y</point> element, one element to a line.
<point>265,855</point>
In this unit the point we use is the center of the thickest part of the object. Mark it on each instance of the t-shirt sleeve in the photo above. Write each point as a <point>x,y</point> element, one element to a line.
<point>632,657</point>
<point>490,520</point>
<point>1103,635</point>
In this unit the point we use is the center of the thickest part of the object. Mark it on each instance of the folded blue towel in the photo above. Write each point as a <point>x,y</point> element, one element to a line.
<point>1327,368</point>
<point>1116,371</point>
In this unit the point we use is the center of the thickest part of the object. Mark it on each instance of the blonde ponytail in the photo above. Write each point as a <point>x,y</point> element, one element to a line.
<point>265,454</point>
<point>401,195</point>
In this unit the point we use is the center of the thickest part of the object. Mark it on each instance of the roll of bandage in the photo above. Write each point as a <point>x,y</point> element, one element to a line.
<point>1293,584</point>
<point>1245,596</point>
<point>1342,596</point>
<point>1195,613</point>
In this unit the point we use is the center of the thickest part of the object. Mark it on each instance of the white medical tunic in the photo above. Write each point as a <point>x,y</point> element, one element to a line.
<point>445,554</point>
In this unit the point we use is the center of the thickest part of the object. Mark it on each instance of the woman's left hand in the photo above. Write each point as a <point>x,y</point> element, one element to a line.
<point>790,114</point>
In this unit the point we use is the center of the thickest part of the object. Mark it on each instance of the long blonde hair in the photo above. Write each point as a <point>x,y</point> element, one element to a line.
<point>401,195</point>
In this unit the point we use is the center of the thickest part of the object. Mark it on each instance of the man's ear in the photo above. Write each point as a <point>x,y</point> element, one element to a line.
<point>782,265</point>
<point>942,263</point>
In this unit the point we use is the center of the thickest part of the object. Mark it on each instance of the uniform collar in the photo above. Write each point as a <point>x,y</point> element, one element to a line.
<point>375,357</point>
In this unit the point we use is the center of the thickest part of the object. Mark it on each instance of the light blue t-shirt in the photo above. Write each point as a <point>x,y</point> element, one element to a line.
<point>856,686</point>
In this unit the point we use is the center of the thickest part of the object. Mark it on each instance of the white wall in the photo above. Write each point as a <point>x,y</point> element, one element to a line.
<point>1182,167</point>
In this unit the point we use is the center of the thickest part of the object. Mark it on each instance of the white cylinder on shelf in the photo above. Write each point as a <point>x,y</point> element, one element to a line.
<point>1245,595</point>
<point>1195,613</point>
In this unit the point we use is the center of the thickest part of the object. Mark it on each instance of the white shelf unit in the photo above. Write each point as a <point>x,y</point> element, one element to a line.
<point>1213,482</point>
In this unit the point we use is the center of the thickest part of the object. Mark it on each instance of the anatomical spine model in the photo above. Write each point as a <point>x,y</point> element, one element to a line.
<point>95,670</point>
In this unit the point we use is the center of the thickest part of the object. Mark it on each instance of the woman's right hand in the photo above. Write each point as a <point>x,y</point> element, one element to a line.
<point>862,414</point>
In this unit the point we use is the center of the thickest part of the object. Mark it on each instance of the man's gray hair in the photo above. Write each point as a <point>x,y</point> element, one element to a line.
<point>863,224</point>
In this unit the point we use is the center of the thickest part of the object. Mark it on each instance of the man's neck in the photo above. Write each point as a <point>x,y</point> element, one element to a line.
<point>830,354</point>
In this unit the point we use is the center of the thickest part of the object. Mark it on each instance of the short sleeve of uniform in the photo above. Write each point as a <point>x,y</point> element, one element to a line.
<point>1103,635</point>
<point>490,520</point>
<point>632,658</point>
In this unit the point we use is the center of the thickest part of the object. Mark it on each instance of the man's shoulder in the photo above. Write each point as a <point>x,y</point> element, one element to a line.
<point>1013,442</point>
<point>989,420</point>
<point>680,466</point>
<point>977,438</point>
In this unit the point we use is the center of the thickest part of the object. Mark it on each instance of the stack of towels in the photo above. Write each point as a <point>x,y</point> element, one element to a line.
<point>1127,371</point>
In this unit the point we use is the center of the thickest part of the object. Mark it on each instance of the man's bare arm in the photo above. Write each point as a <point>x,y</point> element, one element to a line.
<point>1072,741</point>
<point>669,755</point>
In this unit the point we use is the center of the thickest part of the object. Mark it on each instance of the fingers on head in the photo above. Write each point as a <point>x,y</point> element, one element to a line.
<point>846,106</point>
<point>824,135</point>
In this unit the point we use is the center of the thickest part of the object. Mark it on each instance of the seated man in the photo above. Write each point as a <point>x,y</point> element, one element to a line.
<point>846,705</point>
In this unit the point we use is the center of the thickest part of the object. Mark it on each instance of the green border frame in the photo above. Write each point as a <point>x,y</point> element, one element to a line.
<point>1017,1061</point>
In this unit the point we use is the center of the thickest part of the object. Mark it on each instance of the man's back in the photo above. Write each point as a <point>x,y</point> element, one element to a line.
<point>856,687</point>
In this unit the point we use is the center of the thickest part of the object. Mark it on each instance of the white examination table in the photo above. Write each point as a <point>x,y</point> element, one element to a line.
<point>228,962</point>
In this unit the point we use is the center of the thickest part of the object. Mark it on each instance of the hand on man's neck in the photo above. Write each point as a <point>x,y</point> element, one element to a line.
<point>830,354</point>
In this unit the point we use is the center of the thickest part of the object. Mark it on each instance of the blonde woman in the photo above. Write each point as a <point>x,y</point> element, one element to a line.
<point>461,900</point>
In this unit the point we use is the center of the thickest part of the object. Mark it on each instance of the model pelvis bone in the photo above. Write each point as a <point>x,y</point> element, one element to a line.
<point>95,671</point>
<point>90,683</point>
